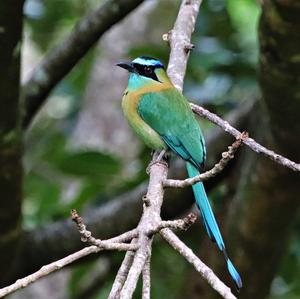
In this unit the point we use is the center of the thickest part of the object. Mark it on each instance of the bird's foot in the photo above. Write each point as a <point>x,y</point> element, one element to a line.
<point>158,158</point>
<point>152,153</point>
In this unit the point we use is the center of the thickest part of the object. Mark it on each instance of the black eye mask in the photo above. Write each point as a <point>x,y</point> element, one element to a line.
<point>146,71</point>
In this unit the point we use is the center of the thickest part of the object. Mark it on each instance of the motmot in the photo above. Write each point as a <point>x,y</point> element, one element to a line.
<point>161,116</point>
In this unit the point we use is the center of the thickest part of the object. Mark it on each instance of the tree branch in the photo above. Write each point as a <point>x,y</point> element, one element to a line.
<point>122,274</point>
<point>149,222</point>
<point>116,243</point>
<point>248,141</point>
<point>137,267</point>
<point>46,270</point>
<point>60,60</point>
<point>200,267</point>
<point>146,279</point>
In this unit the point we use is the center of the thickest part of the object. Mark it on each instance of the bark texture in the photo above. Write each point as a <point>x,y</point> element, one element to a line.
<point>10,138</point>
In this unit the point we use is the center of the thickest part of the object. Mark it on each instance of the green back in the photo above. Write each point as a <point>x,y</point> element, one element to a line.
<point>169,114</point>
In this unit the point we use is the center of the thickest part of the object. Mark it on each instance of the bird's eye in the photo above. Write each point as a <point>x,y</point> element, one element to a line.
<point>147,70</point>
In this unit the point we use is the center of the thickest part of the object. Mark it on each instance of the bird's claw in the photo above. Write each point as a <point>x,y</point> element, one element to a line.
<point>157,159</point>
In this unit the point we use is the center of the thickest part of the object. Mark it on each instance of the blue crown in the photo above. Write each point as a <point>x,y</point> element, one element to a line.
<point>144,60</point>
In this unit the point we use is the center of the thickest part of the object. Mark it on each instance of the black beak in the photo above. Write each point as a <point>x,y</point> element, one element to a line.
<point>126,65</point>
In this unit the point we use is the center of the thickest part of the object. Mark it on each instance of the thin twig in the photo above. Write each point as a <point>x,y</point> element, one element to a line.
<point>125,237</point>
<point>122,274</point>
<point>255,146</point>
<point>47,269</point>
<point>226,157</point>
<point>200,267</point>
<point>87,235</point>
<point>111,244</point>
<point>182,224</point>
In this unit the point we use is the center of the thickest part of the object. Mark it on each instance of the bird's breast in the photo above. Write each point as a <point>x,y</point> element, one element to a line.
<point>130,104</point>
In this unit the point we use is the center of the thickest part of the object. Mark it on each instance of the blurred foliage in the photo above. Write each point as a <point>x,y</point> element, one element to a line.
<point>225,55</point>
<point>51,168</point>
<point>221,75</point>
<point>49,21</point>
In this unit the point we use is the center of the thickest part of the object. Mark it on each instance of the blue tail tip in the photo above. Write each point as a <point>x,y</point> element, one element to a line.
<point>235,275</point>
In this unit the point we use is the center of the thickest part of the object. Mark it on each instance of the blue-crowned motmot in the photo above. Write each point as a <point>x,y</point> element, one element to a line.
<point>161,116</point>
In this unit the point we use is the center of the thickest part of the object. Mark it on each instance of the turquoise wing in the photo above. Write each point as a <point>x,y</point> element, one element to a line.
<point>169,114</point>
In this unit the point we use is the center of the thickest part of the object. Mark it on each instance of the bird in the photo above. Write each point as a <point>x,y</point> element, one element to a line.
<point>162,117</point>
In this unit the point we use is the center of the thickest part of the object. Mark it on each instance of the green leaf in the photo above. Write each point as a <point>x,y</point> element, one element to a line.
<point>41,200</point>
<point>91,164</point>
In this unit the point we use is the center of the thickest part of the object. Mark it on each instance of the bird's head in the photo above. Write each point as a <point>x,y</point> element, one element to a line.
<point>144,71</point>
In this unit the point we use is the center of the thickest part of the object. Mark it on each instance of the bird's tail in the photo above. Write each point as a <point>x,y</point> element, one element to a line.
<point>210,222</point>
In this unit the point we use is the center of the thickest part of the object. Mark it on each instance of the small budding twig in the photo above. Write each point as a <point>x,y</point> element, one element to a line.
<point>166,37</point>
<point>189,47</point>
<point>226,157</point>
<point>182,224</point>
<point>146,201</point>
<point>110,244</point>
